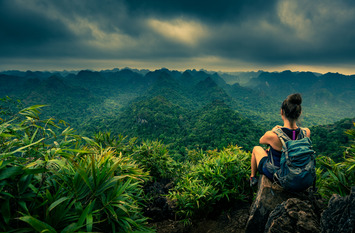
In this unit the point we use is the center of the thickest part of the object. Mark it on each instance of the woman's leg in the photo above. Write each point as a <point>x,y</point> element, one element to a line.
<point>257,155</point>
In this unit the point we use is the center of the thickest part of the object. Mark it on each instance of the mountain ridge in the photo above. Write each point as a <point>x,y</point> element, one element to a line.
<point>106,100</point>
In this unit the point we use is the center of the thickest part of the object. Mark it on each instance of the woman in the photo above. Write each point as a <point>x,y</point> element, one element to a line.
<point>290,112</point>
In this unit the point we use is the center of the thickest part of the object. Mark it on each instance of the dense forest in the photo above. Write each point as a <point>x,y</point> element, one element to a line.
<point>190,109</point>
<point>100,151</point>
<point>330,140</point>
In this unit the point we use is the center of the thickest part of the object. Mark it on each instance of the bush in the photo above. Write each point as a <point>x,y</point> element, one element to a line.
<point>339,177</point>
<point>153,157</point>
<point>119,142</point>
<point>64,182</point>
<point>218,176</point>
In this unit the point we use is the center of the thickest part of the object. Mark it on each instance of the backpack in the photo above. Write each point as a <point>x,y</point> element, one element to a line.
<point>297,165</point>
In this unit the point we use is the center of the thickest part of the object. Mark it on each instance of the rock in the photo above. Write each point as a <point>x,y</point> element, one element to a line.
<point>159,207</point>
<point>340,214</point>
<point>293,216</point>
<point>269,196</point>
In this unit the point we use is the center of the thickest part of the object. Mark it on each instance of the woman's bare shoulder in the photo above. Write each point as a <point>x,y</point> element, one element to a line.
<point>271,135</point>
<point>268,137</point>
<point>307,131</point>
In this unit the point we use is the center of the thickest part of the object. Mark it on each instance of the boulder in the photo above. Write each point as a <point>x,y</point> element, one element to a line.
<point>269,196</point>
<point>159,207</point>
<point>340,214</point>
<point>293,216</point>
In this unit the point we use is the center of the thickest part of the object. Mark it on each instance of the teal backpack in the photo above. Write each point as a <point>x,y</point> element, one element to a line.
<point>297,166</point>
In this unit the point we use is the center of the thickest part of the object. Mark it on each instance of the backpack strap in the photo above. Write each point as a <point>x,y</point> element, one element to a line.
<point>302,134</point>
<point>282,136</point>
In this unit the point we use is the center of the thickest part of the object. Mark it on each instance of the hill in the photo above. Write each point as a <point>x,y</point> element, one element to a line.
<point>327,97</point>
<point>184,109</point>
<point>330,140</point>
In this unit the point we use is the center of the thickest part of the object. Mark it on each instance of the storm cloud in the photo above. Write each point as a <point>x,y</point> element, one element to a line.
<point>252,33</point>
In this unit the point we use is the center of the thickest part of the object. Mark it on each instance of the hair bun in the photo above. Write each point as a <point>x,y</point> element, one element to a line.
<point>295,99</point>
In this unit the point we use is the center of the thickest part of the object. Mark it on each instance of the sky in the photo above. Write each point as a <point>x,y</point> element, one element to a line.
<point>223,35</point>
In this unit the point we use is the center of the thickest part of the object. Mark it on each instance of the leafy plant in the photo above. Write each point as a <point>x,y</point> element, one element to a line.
<point>119,142</point>
<point>195,156</point>
<point>8,108</point>
<point>218,176</point>
<point>337,177</point>
<point>153,156</point>
<point>64,182</point>
<point>98,191</point>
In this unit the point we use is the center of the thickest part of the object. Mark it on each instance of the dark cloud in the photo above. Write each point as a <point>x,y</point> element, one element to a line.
<point>277,32</point>
<point>22,30</point>
<point>207,10</point>
<point>293,33</point>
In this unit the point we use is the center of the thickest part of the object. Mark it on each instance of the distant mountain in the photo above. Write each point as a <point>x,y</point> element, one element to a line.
<point>152,118</point>
<point>115,99</point>
<point>192,77</point>
<point>326,98</point>
<point>10,85</point>
<point>207,91</point>
<point>282,84</point>
<point>65,102</point>
<point>216,126</point>
<point>256,105</point>
<point>125,80</point>
<point>29,74</point>
<point>170,88</point>
<point>239,77</point>
<point>91,80</point>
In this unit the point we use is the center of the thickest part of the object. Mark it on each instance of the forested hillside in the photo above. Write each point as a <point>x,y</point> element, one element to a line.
<point>326,97</point>
<point>55,180</point>
<point>190,109</point>
<point>330,140</point>
<point>163,145</point>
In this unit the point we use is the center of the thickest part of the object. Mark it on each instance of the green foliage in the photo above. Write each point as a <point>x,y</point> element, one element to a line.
<point>55,180</point>
<point>153,157</point>
<point>338,177</point>
<point>195,156</point>
<point>217,126</point>
<point>8,108</point>
<point>181,109</point>
<point>151,119</point>
<point>64,182</point>
<point>105,187</point>
<point>120,143</point>
<point>218,176</point>
<point>331,140</point>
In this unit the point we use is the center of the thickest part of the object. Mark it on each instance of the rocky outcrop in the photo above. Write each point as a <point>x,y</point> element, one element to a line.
<point>340,214</point>
<point>293,216</point>
<point>159,208</point>
<point>268,197</point>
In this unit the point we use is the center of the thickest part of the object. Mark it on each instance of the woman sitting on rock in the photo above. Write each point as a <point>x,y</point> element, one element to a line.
<point>290,112</point>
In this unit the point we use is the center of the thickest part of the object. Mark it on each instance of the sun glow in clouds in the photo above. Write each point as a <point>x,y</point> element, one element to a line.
<point>178,30</point>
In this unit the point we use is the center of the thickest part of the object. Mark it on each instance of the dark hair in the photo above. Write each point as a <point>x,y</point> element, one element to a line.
<point>291,106</point>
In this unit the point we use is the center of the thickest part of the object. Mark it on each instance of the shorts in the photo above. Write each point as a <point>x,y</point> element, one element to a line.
<point>261,165</point>
<point>263,170</point>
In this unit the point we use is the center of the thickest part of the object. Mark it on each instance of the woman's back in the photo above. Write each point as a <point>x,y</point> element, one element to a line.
<point>272,139</point>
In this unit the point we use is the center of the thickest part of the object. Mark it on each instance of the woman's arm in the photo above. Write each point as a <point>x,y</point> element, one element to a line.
<point>308,132</point>
<point>267,138</point>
